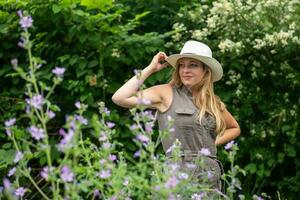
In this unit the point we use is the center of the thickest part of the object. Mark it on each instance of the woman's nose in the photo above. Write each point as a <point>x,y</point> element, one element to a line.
<point>185,69</point>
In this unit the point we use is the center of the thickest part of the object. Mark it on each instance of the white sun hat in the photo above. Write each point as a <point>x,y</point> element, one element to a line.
<point>201,52</point>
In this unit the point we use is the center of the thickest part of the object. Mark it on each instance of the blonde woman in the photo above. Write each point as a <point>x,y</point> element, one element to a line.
<point>201,120</point>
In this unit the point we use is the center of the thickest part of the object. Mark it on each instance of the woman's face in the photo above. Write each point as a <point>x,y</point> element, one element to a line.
<point>191,71</point>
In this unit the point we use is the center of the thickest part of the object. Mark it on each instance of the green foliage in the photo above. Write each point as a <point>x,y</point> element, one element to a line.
<point>257,43</point>
<point>85,162</point>
<point>100,42</point>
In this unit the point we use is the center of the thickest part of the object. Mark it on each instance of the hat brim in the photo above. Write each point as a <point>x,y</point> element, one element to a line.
<point>216,67</point>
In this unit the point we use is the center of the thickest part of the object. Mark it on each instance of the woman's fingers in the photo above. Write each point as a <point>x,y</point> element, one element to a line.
<point>162,57</point>
<point>158,62</point>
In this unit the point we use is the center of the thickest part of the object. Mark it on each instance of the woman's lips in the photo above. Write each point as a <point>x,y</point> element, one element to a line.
<point>186,77</point>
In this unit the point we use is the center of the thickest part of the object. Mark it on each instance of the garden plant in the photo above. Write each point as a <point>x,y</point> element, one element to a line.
<point>60,67</point>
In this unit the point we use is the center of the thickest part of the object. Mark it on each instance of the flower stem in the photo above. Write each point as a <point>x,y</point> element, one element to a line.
<point>35,185</point>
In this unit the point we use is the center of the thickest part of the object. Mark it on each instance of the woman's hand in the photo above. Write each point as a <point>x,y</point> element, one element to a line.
<point>158,62</point>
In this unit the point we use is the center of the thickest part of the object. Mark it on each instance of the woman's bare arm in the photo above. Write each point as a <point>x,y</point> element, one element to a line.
<point>128,95</point>
<point>232,129</point>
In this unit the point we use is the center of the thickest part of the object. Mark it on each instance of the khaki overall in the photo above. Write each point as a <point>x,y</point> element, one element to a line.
<point>192,136</point>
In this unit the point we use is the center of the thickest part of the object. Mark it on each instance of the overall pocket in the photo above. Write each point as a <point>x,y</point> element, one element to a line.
<point>185,117</point>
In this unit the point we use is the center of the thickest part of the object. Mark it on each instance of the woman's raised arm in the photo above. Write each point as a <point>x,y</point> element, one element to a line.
<point>128,95</point>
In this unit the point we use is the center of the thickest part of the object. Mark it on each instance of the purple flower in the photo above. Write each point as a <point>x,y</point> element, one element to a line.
<point>36,133</point>
<point>22,42</point>
<point>107,112</point>
<point>143,101</point>
<point>18,157</point>
<point>210,175</point>
<point>50,114</point>
<point>133,127</point>
<point>26,22</point>
<point>110,124</point>
<point>205,151</point>
<point>126,182</point>
<point>66,141</point>
<point>81,119</point>
<point>78,104</point>
<point>112,157</point>
<point>157,188</point>
<point>183,175</point>
<point>66,174</point>
<point>137,154</point>
<point>172,129</point>
<point>106,145</point>
<point>103,137</point>
<point>10,122</point>
<point>171,148</point>
<point>143,138</point>
<point>190,165</point>
<point>37,101</point>
<point>229,145</point>
<point>103,161</point>
<point>96,193</point>
<point>45,172</point>
<point>148,114</point>
<point>62,132</point>
<point>8,131</point>
<point>173,167</point>
<point>6,184</point>
<point>171,182</point>
<point>59,71</point>
<point>137,71</point>
<point>20,191</point>
<point>105,174</point>
<point>12,172</point>
<point>148,127</point>
<point>73,124</point>
<point>20,13</point>
<point>14,63</point>
<point>27,109</point>
<point>198,196</point>
<point>258,198</point>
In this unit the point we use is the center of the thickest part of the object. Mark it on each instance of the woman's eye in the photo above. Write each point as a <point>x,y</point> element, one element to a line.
<point>193,65</point>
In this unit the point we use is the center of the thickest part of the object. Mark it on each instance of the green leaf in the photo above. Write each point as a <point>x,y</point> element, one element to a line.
<point>271,162</point>
<point>56,9</point>
<point>7,156</point>
<point>251,168</point>
<point>93,63</point>
<point>286,128</point>
<point>103,5</point>
<point>280,157</point>
<point>63,58</point>
<point>43,160</point>
<point>73,60</point>
<point>6,145</point>
<point>139,16</point>
<point>290,150</point>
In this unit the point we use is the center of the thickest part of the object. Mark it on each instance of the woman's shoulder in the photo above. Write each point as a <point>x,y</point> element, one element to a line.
<point>163,87</point>
<point>165,93</point>
<point>166,86</point>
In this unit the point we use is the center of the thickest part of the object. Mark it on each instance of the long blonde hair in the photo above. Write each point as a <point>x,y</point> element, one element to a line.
<point>205,99</point>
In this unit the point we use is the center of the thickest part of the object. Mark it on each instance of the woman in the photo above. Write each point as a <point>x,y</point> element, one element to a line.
<point>201,120</point>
